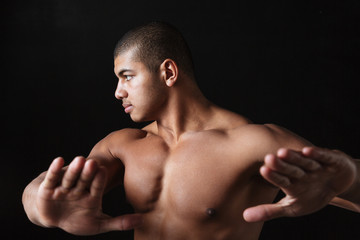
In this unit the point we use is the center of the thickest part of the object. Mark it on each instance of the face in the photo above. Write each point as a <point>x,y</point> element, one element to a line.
<point>142,92</point>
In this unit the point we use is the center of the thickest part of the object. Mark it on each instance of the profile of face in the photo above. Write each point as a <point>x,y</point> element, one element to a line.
<point>143,93</point>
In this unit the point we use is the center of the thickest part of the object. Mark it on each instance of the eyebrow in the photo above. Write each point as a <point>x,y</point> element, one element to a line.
<point>121,72</point>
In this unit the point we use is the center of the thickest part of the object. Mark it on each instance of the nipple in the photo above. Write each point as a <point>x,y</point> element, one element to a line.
<point>210,212</point>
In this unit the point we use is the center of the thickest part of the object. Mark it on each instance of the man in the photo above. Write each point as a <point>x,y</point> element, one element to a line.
<point>193,172</point>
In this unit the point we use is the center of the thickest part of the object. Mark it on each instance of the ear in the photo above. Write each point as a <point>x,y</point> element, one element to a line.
<point>169,72</point>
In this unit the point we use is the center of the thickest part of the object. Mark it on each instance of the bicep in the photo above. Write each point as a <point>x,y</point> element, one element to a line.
<point>285,138</point>
<point>102,154</point>
<point>260,140</point>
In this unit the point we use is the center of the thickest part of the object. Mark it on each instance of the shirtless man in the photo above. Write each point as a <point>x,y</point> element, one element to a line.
<point>193,173</point>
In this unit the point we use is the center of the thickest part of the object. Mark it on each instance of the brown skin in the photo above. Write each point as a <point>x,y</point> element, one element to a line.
<point>193,173</point>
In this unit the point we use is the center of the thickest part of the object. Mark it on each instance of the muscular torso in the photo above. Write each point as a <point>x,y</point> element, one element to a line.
<point>197,188</point>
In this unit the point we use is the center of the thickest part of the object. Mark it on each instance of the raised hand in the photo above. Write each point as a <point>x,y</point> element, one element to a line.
<point>71,198</point>
<point>310,179</point>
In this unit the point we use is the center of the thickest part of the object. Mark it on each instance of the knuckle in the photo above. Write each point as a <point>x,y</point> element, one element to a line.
<point>83,179</point>
<point>285,182</point>
<point>296,173</point>
<point>299,173</point>
<point>282,181</point>
<point>312,165</point>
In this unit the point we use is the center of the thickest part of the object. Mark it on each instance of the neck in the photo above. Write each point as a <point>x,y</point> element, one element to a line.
<point>185,111</point>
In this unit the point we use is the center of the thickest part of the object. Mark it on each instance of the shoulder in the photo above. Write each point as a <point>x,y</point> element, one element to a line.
<point>118,140</point>
<point>126,134</point>
<point>123,137</point>
<point>266,138</point>
<point>260,131</point>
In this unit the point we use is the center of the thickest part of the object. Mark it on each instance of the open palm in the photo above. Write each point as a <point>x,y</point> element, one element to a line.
<point>310,179</point>
<point>71,198</point>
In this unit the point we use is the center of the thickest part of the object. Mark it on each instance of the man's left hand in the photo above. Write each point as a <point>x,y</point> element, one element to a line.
<point>310,179</point>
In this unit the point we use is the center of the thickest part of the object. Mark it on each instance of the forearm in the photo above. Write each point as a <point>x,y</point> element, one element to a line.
<point>350,199</point>
<point>353,193</point>
<point>29,199</point>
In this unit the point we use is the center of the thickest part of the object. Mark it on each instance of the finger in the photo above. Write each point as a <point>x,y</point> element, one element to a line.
<point>264,212</point>
<point>283,167</point>
<point>73,172</point>
<point>122,223</point>
<point>54,173</point>
<point>275,178</point>
<point>324,156</point>
<point>298,159</point>
<point>87,176</point>
<point>97,186</point>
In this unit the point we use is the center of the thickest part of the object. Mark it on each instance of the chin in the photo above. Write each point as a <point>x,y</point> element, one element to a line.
<point>137,119</point>
<point>140,119</point>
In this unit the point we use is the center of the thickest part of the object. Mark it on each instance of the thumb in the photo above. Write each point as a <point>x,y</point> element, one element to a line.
<point>122,223</point>
<point>264,212</point>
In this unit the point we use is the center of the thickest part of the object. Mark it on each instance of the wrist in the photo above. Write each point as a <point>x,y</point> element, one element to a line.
<point>352,193</point>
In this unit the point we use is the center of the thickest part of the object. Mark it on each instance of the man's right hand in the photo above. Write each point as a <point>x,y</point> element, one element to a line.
<point>71,198</point>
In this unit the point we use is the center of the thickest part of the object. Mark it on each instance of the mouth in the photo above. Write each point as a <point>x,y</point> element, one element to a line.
<point>128,107</point>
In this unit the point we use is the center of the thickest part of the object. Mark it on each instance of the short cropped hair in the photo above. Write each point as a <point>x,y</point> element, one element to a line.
<point>153,43</point>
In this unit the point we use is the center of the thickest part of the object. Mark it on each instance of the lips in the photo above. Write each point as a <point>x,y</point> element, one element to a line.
<point>128,107</point>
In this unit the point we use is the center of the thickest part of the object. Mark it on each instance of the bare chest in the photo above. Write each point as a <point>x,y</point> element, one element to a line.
<point>197,180</point>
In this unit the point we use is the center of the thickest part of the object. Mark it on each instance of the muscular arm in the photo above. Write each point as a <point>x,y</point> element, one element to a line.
<point>71,197</point>
<point>311,178</point>
<point>104,155</point>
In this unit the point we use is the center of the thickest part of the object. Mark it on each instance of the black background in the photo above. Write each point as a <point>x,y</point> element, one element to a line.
<point>295,64</point>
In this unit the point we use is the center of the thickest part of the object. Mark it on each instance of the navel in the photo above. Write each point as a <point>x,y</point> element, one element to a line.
<point>210,212</point>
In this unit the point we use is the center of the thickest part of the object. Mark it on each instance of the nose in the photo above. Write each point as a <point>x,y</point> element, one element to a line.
<point>120,92</point>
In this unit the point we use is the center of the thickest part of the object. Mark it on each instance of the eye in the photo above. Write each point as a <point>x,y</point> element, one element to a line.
<point>128,78</point>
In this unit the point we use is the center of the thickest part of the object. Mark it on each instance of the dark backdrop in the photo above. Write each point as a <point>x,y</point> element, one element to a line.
<point>292,64</point>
